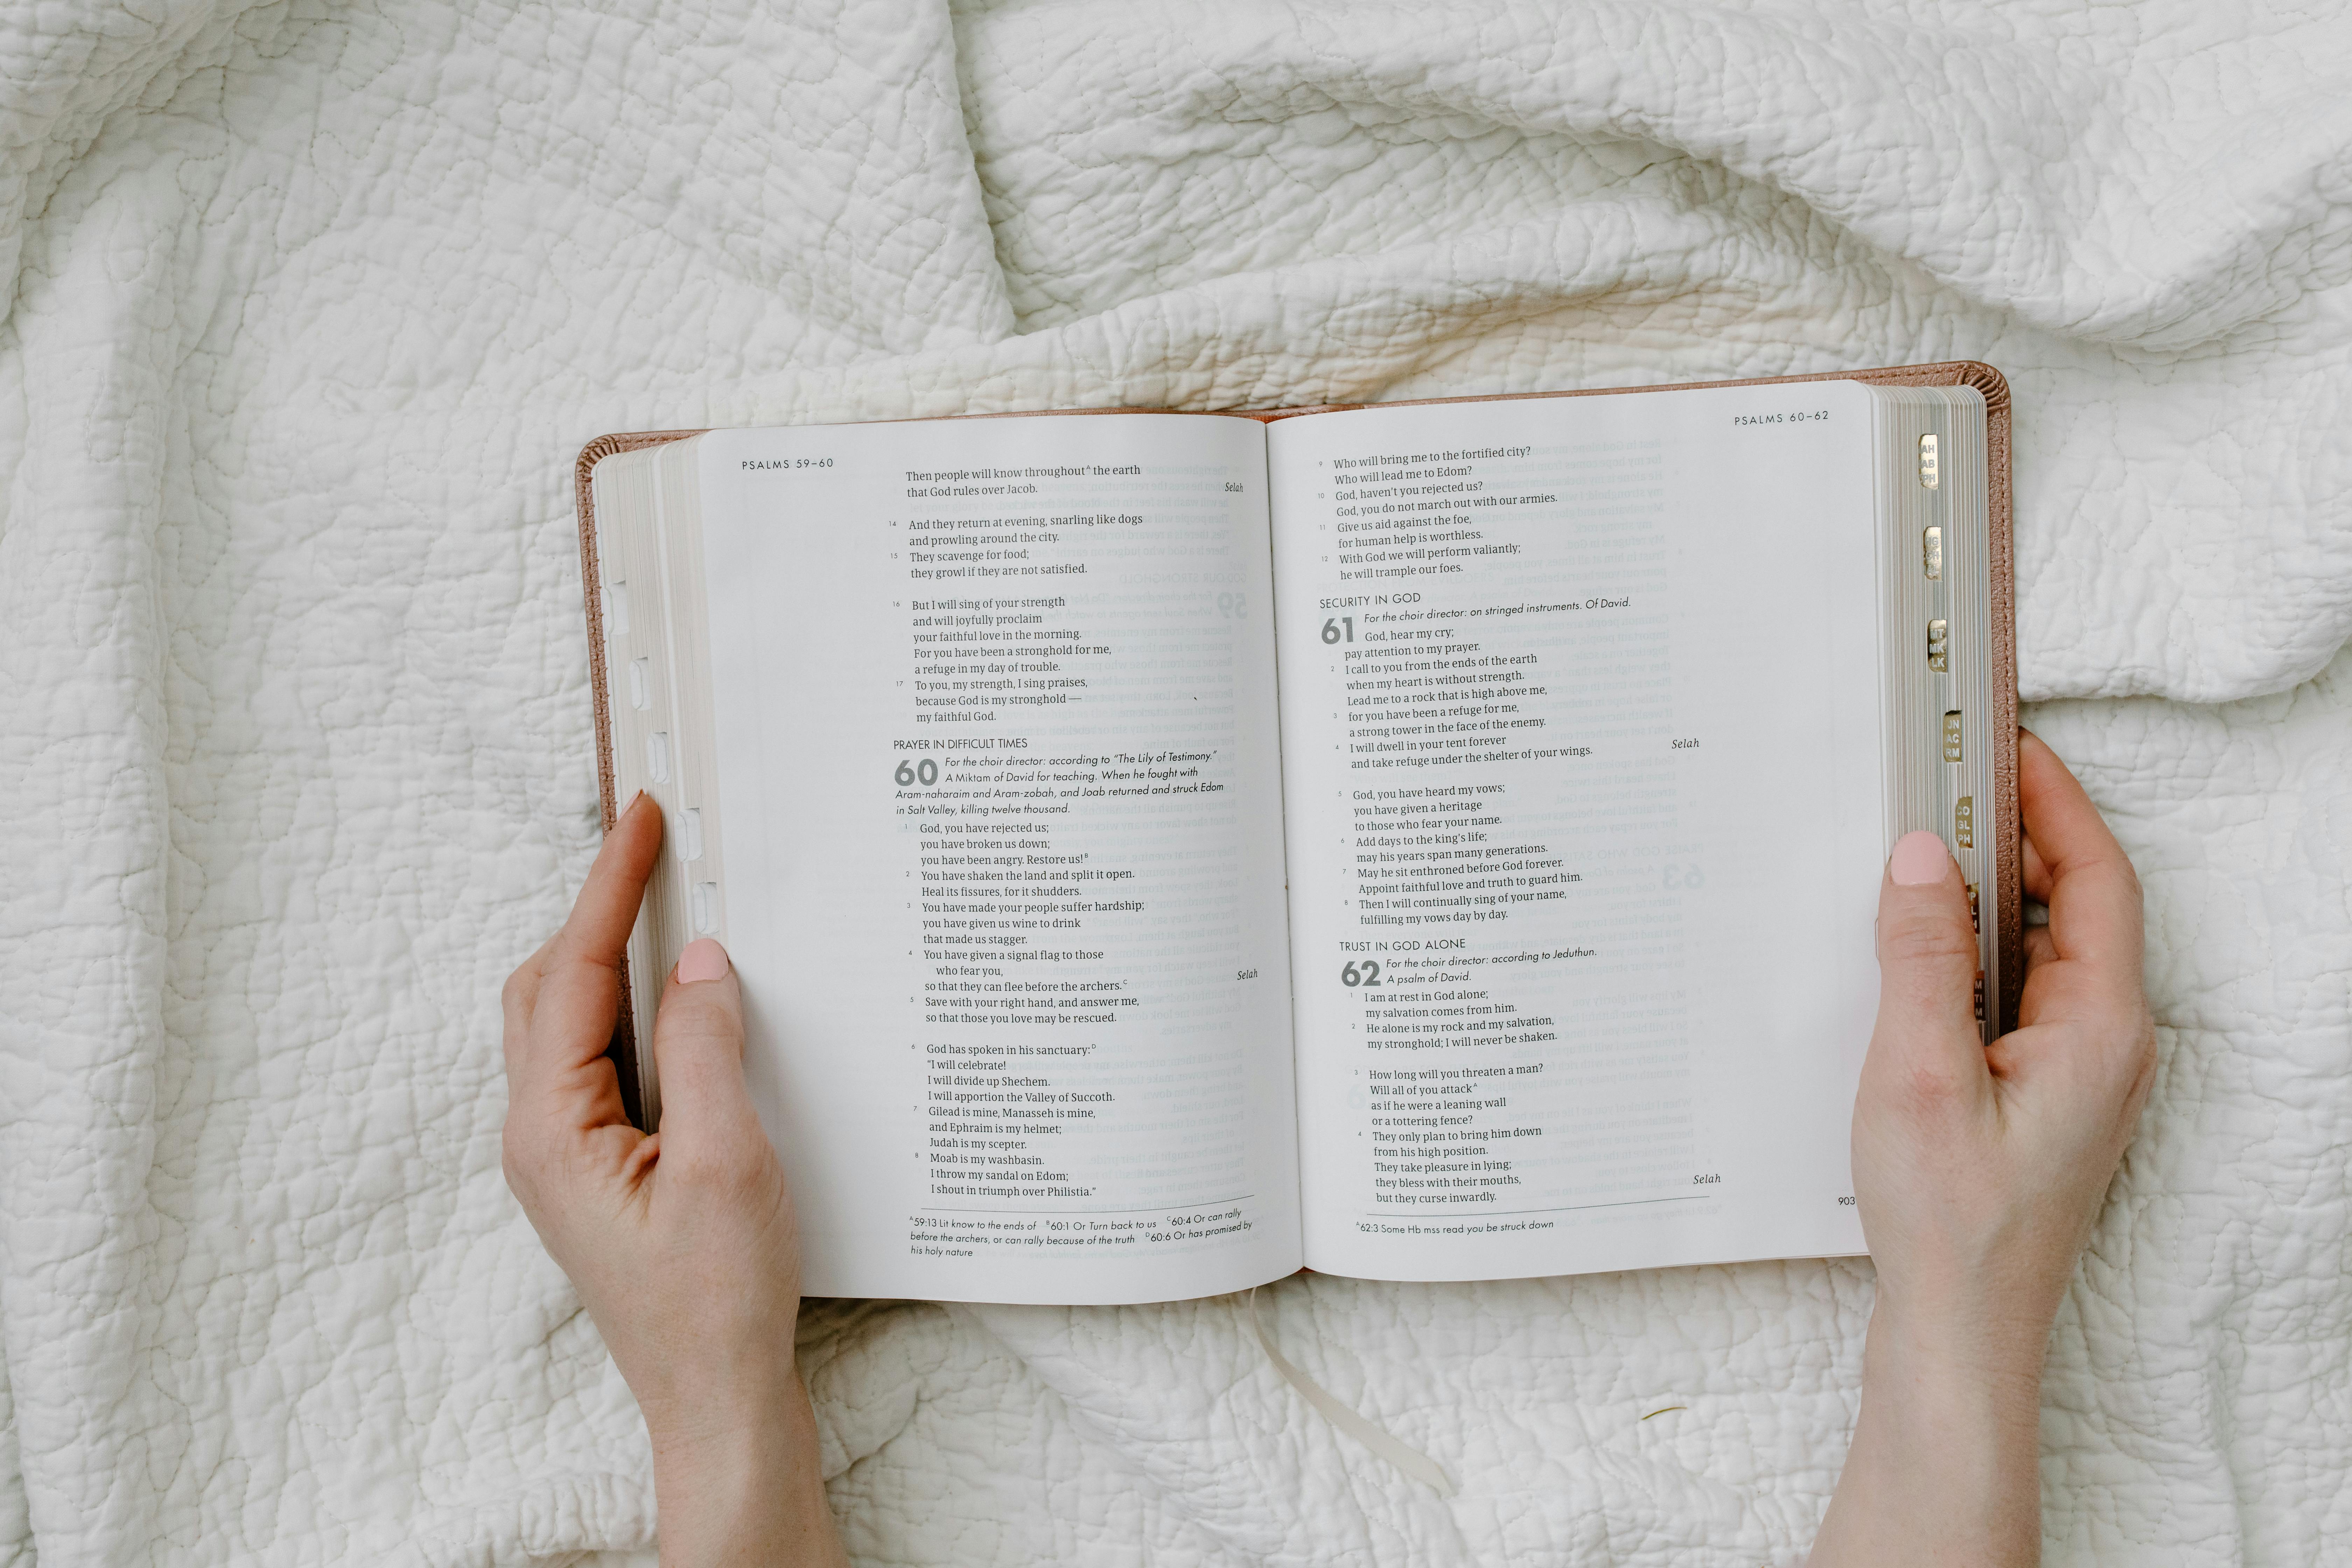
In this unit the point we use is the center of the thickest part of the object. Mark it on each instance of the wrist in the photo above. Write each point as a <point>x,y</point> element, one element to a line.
<point>1961,1383</point>
<point>710,1476</point>
<point>717,1416</point>
<point>1944,1466</point>
<point>1959,1389</point>
<point>1952,1339</point>
<point>736,1480</point>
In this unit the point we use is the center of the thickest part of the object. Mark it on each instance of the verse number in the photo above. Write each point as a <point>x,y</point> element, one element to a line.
<point>1365,973</point>
<point>1341,629</point>
<point>926,772</point>
<point>1233,606</point>
<point>1683,876</point>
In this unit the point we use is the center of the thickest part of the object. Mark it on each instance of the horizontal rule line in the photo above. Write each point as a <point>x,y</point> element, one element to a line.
<point>1559,1208</point>
<point>1148,1209</point>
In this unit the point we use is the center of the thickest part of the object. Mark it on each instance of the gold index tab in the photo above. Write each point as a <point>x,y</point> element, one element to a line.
<point>1952,736</point>
<point>1927,462</point>
<point>1931,552</point>
<point>1938,647</point>
<point>1964,822</point>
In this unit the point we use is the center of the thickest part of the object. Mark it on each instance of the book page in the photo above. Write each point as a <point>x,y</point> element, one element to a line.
<point>1581,745</point>
<point>994,703</point>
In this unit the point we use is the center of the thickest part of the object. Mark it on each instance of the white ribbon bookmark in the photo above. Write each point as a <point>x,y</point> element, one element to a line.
<point>1405,1458</point>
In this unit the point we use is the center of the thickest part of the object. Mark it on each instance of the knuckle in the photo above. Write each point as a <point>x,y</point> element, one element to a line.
<point>1928,1088</point>
<point>2128,873</point>
<point>515,1165</point>
<point>2116,870</point>
<point>1927,938</point>
<point>2140,1060</point>
<point>529,1154</point>
<point>574,949</point>
<point>711,1168</point>
<point>685,1013</point>
<point>514,1151</point>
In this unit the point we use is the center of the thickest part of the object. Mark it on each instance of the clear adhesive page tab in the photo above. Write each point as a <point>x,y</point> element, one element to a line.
<point>998,755</point>
<point>1581,750</point>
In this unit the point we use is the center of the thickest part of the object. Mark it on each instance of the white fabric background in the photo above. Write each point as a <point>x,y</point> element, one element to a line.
<point>309,307</point>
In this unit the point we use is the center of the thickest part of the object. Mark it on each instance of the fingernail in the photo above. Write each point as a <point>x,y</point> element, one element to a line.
<point>703,959</point>
<point>1918,857</point>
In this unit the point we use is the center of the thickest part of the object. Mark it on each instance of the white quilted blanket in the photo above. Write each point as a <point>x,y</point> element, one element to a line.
<point>307,308</point>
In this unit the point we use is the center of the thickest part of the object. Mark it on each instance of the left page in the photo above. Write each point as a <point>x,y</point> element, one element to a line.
<point>998,769</point>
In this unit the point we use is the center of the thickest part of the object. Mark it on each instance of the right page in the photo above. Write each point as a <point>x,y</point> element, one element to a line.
<point>1581,737</point>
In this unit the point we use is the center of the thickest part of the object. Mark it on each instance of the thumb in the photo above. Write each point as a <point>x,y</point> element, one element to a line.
<point>1927,967</point>
<point>698,1058</point>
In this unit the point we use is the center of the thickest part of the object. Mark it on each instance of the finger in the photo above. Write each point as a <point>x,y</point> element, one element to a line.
<point>2093,896</point>
<point>2037,874</point>
<point>601,916</point>
<point>706,1113</point>
<point>1928,964</point>
<point>580,985</point>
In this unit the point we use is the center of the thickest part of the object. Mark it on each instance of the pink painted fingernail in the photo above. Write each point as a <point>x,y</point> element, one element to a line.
<point>703,959</point>
<point>1918,857</point>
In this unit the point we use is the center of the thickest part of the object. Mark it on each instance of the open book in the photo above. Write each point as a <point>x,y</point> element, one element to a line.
<point>1426,841</point>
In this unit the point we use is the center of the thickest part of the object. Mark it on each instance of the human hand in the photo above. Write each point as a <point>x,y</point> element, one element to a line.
<point>1978,1172</point>
<point>681,1242</point>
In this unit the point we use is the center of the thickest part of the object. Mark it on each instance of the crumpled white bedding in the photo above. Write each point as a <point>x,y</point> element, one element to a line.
<point>310,306</point>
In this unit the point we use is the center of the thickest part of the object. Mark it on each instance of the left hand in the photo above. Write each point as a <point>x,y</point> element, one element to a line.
<point>681,1242</point>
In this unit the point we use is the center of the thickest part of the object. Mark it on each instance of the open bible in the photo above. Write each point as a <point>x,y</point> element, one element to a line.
<point>1421,841</point>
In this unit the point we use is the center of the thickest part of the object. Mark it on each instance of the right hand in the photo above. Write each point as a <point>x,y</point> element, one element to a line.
<point>1978,1172</point>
